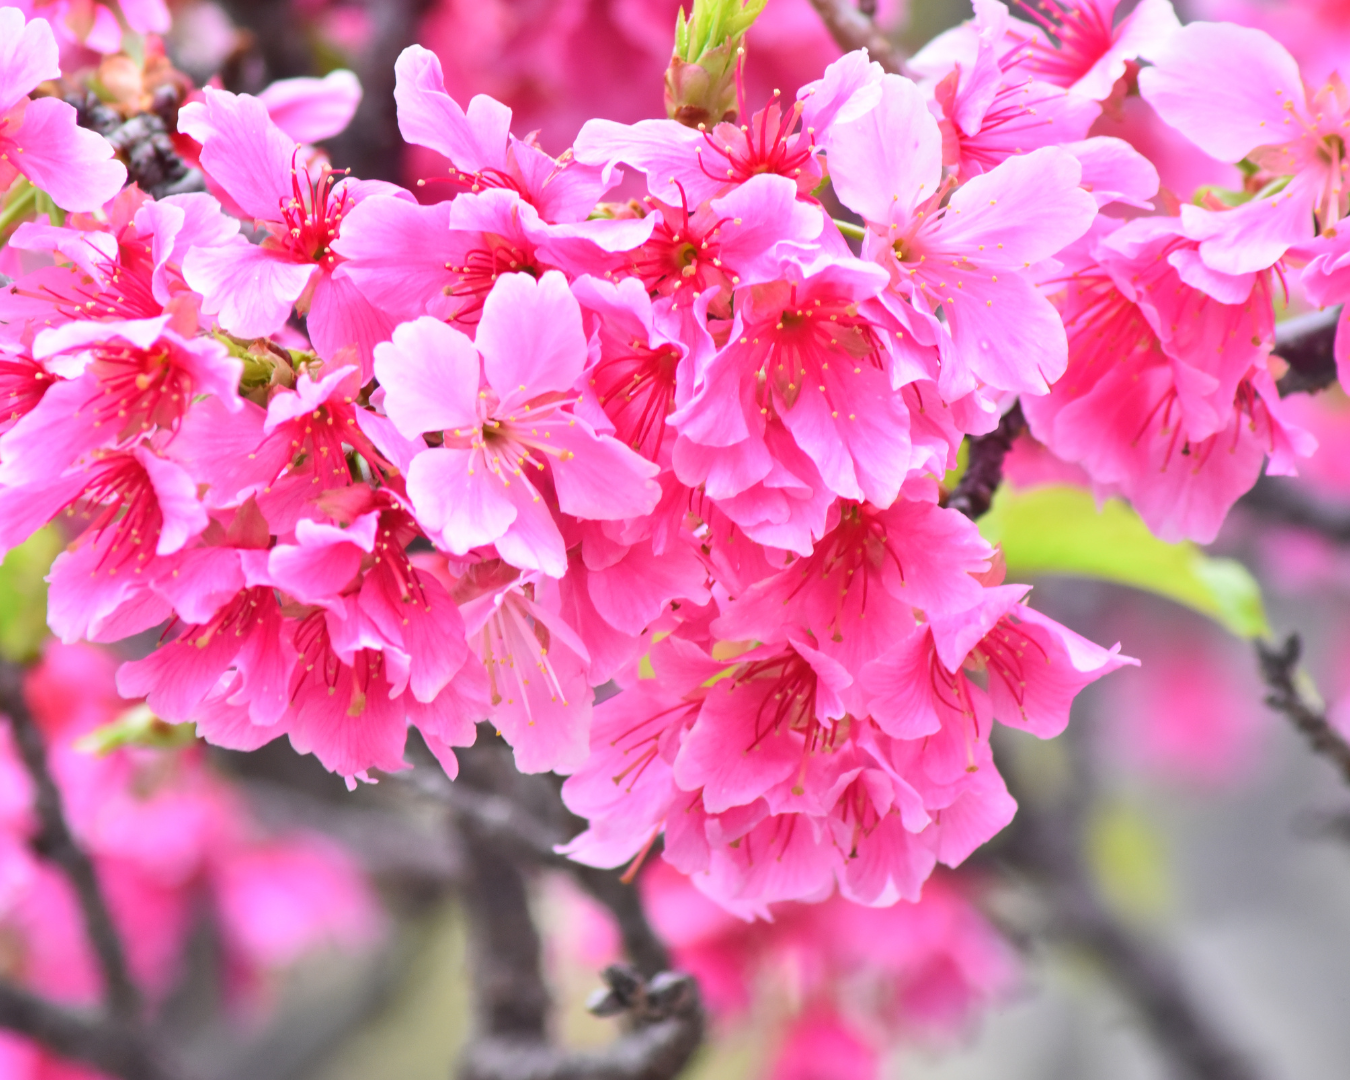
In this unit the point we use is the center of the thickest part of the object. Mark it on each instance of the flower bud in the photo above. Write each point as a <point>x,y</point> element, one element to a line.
<point>701,78</point>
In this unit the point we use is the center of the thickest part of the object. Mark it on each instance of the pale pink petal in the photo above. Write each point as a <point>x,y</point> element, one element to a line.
<point>1229,89</point>
<point>889,159</point>
<point>343,324</point>
<point>1025,209</point>
<point>176,493</point>
<point>601,480</point>
<point>28,55</point>
<point>531,337</point>
<point>458,500</point>
<point>1114,171</point>
<point>1142,34</point>
<point>428,116</point>
<point>430,373</point>
<point>398,252</point>
<point>311,110</point>
<point>250,289</point>
<point>146,16</point>
<point>72,165</point>
<point>242,150</point>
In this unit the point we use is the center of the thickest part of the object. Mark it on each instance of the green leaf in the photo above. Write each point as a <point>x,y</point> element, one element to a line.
<point>1058,530</point>
<point>138,726</point>
<point>23,595</point>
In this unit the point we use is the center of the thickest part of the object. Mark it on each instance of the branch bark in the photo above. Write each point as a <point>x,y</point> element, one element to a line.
<point>510,821</point>
<point>1307,345</point>
<point>1279,669</point>
<point>853,28</point>
<point>984,465</point>
<point>55,842</point>
<point>111,1046</point>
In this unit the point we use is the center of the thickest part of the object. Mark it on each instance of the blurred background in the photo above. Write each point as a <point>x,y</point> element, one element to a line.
<point>1195,821</point>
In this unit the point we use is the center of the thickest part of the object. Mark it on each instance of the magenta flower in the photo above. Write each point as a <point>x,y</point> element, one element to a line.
<point>125,268</point>
<point>1237,94</point>
<point>815,352</point>
<point>967,256</point>
<point>992,108</point>
<point>128,379</point>
<point>1167,398</point>
<point>38,136</point>
<point>683,164</point>
<point>252,288</point>
<point>503,405</point>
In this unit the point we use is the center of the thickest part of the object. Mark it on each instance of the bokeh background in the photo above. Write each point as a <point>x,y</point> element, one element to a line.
<point>1201,819</point>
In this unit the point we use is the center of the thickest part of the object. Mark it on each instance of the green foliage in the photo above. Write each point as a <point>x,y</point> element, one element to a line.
<point>138,726</point>
<point>1059,530</point>
<point>23,595</point>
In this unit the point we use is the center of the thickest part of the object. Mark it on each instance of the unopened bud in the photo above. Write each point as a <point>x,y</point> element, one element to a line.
<point>701,78</point>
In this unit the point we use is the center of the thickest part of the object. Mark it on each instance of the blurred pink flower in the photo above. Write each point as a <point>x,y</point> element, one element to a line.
<point>558,64</point>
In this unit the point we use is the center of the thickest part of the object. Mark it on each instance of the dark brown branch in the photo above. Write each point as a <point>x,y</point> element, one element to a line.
<point>1276,498</point>
<point>110,1046</point>
<point>853,28</point>
<point>525,815</point>
<point>984,465</point>
<point>1307,345</point>
<point>55,843</point>
<point>1279,669</point>
<point>509,821</point>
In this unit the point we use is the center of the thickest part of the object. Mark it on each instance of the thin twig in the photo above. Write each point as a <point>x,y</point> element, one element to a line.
<point>55,842</point>
<point>1307,345</point>
<point>1279,669</point>
<point>984,465</point>
<point>852,29</point>
<point>111,1046</point>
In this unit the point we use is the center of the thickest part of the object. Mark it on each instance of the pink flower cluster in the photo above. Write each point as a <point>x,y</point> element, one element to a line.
<point>168,838</point>
<point>374,462</point>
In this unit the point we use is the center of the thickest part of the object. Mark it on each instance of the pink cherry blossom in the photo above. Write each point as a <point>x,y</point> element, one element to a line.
<point>1266,115</point>
<point>38,136</point>
<point>528,355</point>
<point>968,257</point>
<point>253,288</point>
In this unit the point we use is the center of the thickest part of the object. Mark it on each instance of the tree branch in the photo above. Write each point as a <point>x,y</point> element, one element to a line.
<point>508,819</point>
<point>1279,669</point>
<point>1276,499</point>
<point>984,465</point>
<point>110,1046</point>
<point>1307,345</point>
<point>526,815</point>
<point>853,28</point>
<point>55,842</point>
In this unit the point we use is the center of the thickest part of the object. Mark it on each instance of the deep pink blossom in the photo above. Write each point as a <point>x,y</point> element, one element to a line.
<point>968,256</point>
<point>252,288</point>
<point>504,406</point>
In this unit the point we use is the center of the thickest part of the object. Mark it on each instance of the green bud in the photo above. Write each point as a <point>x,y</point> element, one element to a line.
<point>701,78</point>
<point>23,595</point>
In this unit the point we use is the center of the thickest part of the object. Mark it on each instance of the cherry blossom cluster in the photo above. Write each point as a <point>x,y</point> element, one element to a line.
<point>637,452</point>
